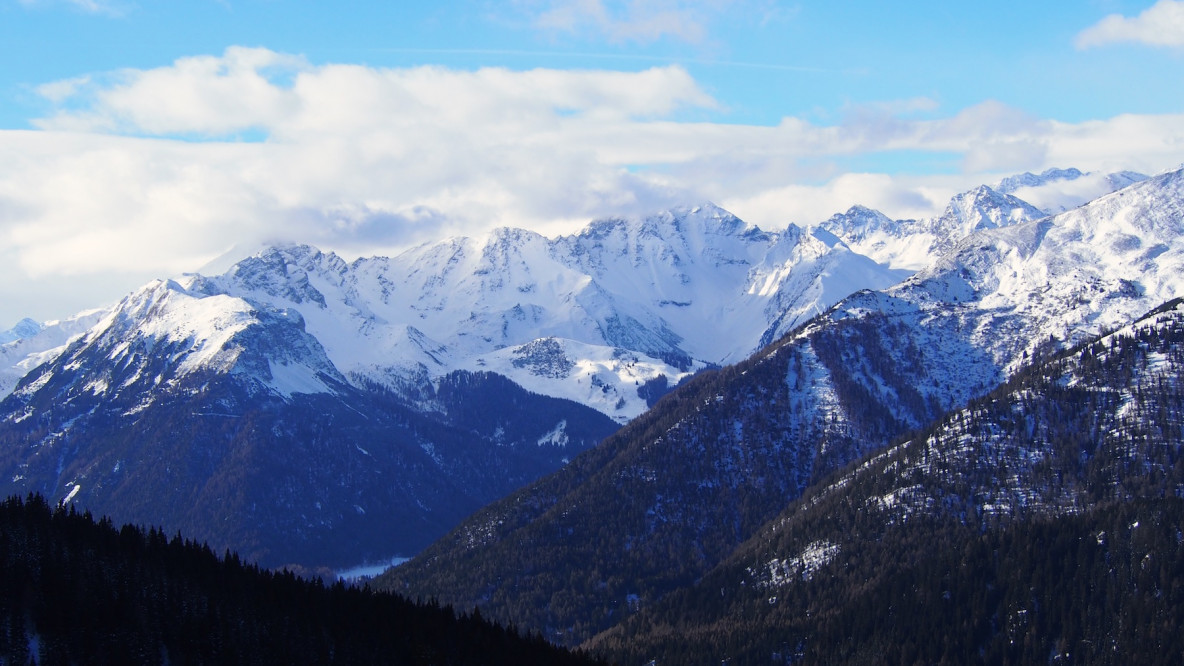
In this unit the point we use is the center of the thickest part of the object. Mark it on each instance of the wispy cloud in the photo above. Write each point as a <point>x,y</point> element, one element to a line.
<point>628,58</point>
<point>109,7</point>
<point>635,21</point>
<point>1162,24</point>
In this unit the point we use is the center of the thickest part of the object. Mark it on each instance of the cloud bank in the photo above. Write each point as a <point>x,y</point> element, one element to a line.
<point>150,173</point>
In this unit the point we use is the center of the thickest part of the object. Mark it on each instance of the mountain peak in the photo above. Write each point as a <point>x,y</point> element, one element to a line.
<point>704,218</point>
<point>513,235</point>
<point>23,329</point>
<point>1028,179</point>
<point>717,220</point>
<point>984,208</point>
<point>283,271</point>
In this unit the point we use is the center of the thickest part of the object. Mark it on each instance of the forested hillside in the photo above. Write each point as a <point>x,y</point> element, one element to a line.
<point>1041,522</point>
<point>74,591</point>
<point>1102,587</point>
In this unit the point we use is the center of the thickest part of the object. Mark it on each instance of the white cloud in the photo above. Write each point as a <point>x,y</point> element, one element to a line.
<point>899,197</point>
<point>1162,24</point>
<point>59,91</point>
<point>254,88</point>
<point>206,95</point>
<point>366,160</point>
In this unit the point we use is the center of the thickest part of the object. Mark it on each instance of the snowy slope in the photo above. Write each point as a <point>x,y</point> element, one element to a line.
<point>913,244</point>
<point>1009,290</point>
<point>625,300</point>
<point>154,340</point>
<point>30,344</point>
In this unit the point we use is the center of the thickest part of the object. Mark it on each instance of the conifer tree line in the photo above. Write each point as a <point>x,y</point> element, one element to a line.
<point>1104,587</point>
<point>77,591</point>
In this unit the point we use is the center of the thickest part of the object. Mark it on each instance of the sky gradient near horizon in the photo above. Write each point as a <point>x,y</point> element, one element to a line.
<point>143,139</point>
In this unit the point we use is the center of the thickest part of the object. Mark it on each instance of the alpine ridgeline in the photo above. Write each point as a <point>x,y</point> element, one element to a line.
<point>674,493</point>
<point>913,244</point>
<point>307,411</point>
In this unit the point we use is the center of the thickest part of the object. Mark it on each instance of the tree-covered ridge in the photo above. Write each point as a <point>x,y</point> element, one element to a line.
<point>1101,422</point>
<point>1040,520</point>
<point>1102,587</point>
<point>74,591</point>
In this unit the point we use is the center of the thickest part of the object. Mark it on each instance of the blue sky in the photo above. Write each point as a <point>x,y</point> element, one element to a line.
<point>142,139</point>
<point>762,60</point>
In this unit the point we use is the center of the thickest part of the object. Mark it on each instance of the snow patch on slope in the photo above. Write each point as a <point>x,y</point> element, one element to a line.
<point>604,378</point>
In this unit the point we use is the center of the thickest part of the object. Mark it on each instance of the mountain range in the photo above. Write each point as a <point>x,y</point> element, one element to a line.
<point>304,410</point>
<point>313,412</point>
<point>678,492</point>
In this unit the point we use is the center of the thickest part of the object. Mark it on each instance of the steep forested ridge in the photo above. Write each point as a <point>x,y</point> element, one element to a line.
<point>1041,522</point>
<point>1102,587</point>
<point>666,498</point>
<point>74,591</point>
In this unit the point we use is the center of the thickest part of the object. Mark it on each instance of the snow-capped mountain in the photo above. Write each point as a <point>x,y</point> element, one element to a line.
<point>589,317</point>
<point>30,344</point>
<point>1007,294</point>
<point>976,210</point>
<point>913,244</point>
<point>1058,190</point>
<point>616,306</point>
<point>1009,290</point>
<point>158,338</point>
<point>227,419</point>
<point>413,388</point>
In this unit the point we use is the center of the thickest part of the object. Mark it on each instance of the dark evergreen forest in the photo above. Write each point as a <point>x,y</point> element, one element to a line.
<point>1106,587</point>
<point>77,591</point>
